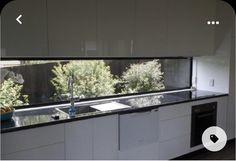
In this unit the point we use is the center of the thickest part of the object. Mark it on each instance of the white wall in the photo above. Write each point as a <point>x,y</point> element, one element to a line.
<point>209,68</point>
<point>221,66</point>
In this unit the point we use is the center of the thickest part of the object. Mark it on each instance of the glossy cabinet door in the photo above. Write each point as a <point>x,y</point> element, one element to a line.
<point>79,140</point>
<point>72,28</point>
<point>150,28</point>
<point>115,27</point>
<point>139,135</point>
<point>36,143</point>
<point>48,152</point>
<point>28,39</point>
<point>105,138</point>
<point>188,31</point>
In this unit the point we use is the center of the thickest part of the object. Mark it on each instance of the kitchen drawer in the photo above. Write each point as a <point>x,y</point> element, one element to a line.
<point>174,111</point>
<point>145,152</point>
<point>174,147</point>
<point>170,129</point>
<point>31,138</point>
<point>49,152</point>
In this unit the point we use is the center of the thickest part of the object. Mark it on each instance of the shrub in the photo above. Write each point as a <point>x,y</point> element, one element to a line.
<point>91,79</point>
<point>10,94</point>
<point>143,77</point>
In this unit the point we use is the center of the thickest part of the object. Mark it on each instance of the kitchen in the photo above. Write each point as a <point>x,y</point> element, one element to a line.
<point>115,79</point>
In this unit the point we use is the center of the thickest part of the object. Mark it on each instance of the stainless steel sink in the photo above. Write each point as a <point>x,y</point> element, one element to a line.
<point>79,110</point>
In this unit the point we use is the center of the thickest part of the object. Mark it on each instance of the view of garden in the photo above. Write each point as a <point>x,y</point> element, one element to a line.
<point>92,78</point>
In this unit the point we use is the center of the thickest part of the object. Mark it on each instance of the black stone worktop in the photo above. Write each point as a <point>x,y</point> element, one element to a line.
<point>42,117</point>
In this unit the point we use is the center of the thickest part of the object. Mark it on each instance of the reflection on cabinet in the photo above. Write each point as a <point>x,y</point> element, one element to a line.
<point>72,28</point>
<point>38,143</point>
<point>92,139</point>
<point>139,135</point>
<point>105,138</point>
<point>115,27</point>
<point>28,39</point>
<point>78,140</point>
<point>150,28</point>
<point>109,28</point>
<point>49,152</point>
<point>188,31</point>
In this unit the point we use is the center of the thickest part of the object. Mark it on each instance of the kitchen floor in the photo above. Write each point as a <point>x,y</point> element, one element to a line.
<point>228,153</point>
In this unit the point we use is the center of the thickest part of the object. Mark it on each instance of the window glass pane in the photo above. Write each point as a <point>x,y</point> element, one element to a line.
<point>35,82</point>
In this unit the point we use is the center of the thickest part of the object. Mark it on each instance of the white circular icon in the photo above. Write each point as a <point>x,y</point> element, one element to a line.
<point>214,138</point>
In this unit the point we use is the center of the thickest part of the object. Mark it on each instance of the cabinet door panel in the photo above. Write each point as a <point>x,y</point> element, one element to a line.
<point>105,137</point>
<point>174,147</point>
<point>144,152</point>
<point>28,39</point>
<point>138,129</point>
<point>72,27</point>
<point>79,140</point>
<point>115,27</point>
<point>150,28</point>
<point>188,31</point>
<point>170,129</point>
<point>31,138</point>
<point>49,152</point>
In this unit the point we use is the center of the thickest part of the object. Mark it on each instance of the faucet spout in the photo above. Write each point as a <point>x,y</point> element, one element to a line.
<point>71,90</point>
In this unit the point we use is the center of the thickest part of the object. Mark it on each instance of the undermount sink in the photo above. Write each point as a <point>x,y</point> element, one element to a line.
<point>79,110</point>
<point>111,106</point>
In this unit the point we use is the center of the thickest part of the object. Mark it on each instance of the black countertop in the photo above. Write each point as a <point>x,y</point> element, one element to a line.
<point>42,117</point>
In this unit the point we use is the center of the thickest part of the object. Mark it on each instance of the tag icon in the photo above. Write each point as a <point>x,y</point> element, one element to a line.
<point>214,138</point>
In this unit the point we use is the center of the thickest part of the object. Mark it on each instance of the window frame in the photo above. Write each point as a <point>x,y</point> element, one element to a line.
<point>99,58</point>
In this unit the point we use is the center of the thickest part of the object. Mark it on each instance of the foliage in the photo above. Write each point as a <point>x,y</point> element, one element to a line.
<point>92,78</point>
<point>143,77</point>
<point>10,94</point>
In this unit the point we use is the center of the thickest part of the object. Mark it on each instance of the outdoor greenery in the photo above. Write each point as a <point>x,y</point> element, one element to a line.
<point>10,94</point>
<point>143,77</point>
<point>92,78</point>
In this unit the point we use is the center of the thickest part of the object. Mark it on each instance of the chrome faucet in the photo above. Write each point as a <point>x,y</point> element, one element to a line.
<point>72,111</point>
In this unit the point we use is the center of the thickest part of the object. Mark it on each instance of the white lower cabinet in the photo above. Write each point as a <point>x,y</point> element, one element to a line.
<point>79,139</point>
<point>174,147</point>
<point>37,143</point>
<point>156,134</point>
<point>143,152</point>
<point>105,138</point>
<point>139,135</point>
<point>92,138</point>
<point>174,131</point>
<point>48,152</point>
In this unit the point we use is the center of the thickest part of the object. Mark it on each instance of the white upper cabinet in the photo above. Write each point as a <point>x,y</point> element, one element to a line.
<point>115,27</point>
<point>72,28</point>
<point>188,31</point>
<point>109,28</point>
<point>150,28</point>
<point>28,39</point>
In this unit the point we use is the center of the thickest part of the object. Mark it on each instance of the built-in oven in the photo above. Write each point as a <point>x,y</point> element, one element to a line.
<point>203,116</point>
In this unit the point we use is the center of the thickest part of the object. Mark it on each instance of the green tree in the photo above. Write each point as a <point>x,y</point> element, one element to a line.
<point>143,77</point>
<point>10,94</point>
<point>92,78</point>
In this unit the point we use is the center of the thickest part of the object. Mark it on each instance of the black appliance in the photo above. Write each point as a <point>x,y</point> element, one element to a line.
<point>203,116</point>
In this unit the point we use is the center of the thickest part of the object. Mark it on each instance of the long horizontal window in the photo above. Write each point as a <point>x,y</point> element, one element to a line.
<point>36,82</point>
